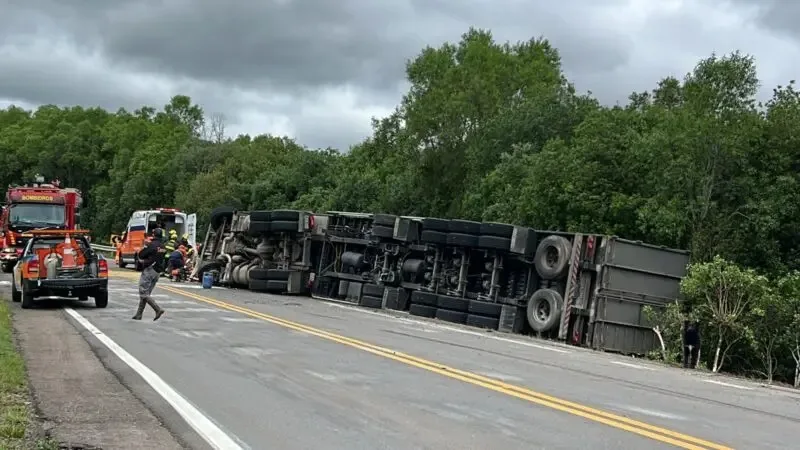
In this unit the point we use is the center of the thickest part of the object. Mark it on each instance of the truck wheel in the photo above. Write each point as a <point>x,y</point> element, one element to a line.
<point>27,299</point>
<point>101,299</point>
<point>462,240</point>
<point>221,213</point>
<point>433,237</point>
<point>464,227</point>
<point>494,243</point>
<point>16,297</point>
<point>502,230</point>
<point>285,226</point>
<point>451,316</point>
<point>121,264</point>
<point>382,231</point>
<point>384,220</point>
<point>475,320</point>
<point>544,309</point>
<point>552,256</point>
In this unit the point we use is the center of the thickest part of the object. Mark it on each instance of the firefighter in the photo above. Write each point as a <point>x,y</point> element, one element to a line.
<point>177,261</point>
<point>171,245</point>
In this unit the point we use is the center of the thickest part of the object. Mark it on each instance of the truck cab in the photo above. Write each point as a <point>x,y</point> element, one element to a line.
<point>141,223</point>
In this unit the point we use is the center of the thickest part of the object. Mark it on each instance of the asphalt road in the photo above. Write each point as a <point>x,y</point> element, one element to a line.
<point>297,373</point>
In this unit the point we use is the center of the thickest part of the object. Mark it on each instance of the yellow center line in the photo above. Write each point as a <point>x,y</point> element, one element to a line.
<point>620,422</point>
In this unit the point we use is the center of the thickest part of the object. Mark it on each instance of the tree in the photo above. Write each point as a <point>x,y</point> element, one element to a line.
<point>723,294</point>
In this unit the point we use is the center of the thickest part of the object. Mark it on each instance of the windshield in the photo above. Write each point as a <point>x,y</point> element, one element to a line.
<point>37,215</point>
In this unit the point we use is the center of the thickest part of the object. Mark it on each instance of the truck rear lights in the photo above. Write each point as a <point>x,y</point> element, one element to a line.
<point>102,268</point>
<point>32,267</point>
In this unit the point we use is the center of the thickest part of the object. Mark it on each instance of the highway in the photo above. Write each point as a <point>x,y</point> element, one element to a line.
<point>283,372</point>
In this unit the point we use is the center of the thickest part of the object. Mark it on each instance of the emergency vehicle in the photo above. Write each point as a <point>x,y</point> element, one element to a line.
<point>40,206</point>
<point>142,223</point>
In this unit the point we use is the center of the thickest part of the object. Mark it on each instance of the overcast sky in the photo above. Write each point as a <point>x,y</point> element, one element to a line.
<point>317,70</point>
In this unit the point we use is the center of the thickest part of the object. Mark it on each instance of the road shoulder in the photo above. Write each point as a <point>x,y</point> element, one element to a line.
<point>77,398</point>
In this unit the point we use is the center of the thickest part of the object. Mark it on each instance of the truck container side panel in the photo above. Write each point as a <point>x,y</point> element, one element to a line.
<point>624,279</point>
<point>615,337</point>
<point>647,258</point>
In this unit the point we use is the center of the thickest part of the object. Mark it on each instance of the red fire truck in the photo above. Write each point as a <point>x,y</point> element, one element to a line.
<point>39,206</point>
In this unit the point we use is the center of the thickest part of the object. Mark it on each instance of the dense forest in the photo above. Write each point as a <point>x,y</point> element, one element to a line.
<point>495,131</point>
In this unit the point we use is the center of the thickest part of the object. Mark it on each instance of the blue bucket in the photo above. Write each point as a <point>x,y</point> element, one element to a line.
<point>208,280</point>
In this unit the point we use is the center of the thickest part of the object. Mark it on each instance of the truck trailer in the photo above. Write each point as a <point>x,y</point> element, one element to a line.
<point>582,288</point>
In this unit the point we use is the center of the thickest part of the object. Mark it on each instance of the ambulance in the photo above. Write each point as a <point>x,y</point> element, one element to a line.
<point>142,223</point>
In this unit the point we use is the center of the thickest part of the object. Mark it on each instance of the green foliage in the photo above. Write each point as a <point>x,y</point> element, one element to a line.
<point>494,131</point>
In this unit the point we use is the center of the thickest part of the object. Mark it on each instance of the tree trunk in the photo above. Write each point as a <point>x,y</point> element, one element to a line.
<point>657,331</point>
<point>715,367</point>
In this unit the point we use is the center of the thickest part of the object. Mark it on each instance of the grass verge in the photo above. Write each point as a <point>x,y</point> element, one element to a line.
<point>15,408</point>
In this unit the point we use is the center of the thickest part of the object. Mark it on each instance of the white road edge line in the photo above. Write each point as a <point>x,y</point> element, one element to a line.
<point>633,366</point>
<point>722,383</point>
<point>449,328</point>
<point>206,428</point>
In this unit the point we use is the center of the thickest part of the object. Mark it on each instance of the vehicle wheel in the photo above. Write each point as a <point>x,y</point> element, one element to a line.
<point>544,309</point>
<point>260,216</point>
<point>502,230</point>
<point>462,240</point>
<point>257,273</point>
<point>6,268</point>
<point>488,309</point>
<point>27,299</point>
<point>464,227</point>
<point>219,214</point>
<point>451,316</point>
<point>552,256</point>
<point>285,226</point>
<point>494,243</point>
<point>257,228</point>
<point>424,298</point>
<point>373,290</point>
<point>433,237</point>
<point>368,301</point>
<point>277,286</point>
<point>475,320</point>
<point>284,215</point>
<point>279,275</point>
<point>101,299</point>
<point>384,220</point>
<point>120,263</point>
<point>434,224</point>
<point>422,311</point>
<point>16,297</point>
<point>257,285</point>
<point>382,231</point>
<point>453,303</point>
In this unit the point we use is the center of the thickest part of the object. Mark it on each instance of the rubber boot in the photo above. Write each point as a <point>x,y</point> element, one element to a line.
<point>140,309</point>
<point>159,310</point>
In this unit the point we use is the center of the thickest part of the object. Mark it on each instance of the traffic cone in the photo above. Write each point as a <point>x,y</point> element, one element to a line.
<point>69,256</point>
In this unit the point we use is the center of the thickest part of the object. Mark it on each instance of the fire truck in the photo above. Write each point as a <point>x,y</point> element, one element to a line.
<point>38,206</point>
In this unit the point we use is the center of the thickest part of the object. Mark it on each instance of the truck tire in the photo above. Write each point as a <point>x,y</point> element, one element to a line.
<point>16,296</point>
<point>453,303</point>
<point>382,231</point>
<point>491,323</point>
<point>422,311</point>
<point>257,273</point>
<point>384,220</point>
<point>544,309</point>
<point>284,226</point>
<point>368,301</point>
<point>462,240</point>
<point>464,227</point>
<point>277,286</point>
<point>502,230</point>
<point>434,224</point>
<point>101,299</point>
<point>433,237</point>
<point>451,316</point>
<point>220,214</point>
<point>285,215</point>
<point>373,290</point>
<point>494,243</point>
<point>27,299</point>
<point>260,216</point>
<point>488,309</point>
<point>257,228</point>
<point>552,256</point>
<point>424,299</point>
<point>276,274</point>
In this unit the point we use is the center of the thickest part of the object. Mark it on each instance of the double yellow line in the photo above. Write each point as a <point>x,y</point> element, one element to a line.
<point>613,420</point>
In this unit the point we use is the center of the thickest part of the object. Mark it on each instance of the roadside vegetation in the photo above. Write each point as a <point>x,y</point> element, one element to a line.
<point>494,131</point>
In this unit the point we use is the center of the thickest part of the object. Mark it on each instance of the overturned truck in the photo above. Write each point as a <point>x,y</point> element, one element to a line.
<point>586,289</point>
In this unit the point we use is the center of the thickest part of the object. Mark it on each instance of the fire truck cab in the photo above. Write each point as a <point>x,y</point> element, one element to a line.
<point>142,223</point>
<point>39,206</point>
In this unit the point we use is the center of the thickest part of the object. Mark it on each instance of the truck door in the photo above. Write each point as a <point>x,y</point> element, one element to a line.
<point>191,229</point>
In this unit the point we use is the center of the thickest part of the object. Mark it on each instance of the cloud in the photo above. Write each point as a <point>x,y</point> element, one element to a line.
<point>319,70</point>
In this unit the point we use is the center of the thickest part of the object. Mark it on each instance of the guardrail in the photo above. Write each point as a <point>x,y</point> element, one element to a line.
<point>104,248</point>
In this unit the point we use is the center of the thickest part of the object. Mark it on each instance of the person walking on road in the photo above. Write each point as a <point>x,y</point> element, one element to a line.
<point>153,258</point>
